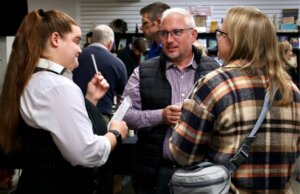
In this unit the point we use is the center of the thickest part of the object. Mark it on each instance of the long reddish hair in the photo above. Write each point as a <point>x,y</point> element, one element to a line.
<point>30,42</point>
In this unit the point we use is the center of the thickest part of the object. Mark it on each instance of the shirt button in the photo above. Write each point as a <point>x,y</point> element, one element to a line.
<point>96,181</point>
<point>183,95</point>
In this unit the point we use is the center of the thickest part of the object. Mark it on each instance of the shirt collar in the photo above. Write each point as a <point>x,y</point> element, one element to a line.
<point>47,64</point>
<point>98,45</point>
<point>192,63</point>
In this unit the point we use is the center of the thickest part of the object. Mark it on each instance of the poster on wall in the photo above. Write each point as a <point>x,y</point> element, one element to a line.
<point>200,14</point>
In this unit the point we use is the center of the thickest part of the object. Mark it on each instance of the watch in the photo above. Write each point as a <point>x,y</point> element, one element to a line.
<point>117,134</point>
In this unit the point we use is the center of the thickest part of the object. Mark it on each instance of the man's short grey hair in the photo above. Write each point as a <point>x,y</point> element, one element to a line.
<point>188,17</point>
<point>103,34</point>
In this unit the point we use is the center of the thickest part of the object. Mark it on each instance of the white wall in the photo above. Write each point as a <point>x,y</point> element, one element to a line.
<point>94,12</point>
<point>89,13</point>
<point>68,6</point>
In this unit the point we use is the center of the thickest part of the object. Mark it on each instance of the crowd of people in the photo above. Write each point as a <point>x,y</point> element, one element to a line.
<point>186,108</point>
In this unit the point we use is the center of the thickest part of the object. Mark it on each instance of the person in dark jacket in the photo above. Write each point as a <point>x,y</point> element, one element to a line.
<point>131,55</point>
<point>151,19</point>
<point>157,88</point>
<point>110,66</point>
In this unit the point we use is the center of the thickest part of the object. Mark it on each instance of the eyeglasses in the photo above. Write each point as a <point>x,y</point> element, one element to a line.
<point>219,33</point>
<point>175,32</point>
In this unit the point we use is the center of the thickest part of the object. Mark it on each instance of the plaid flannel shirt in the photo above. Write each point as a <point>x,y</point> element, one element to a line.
<point>221,111</point>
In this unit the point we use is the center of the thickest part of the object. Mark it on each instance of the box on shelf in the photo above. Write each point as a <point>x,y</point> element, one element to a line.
<point>288,20</point>
<point>213,26</point>
<point>288,27</point>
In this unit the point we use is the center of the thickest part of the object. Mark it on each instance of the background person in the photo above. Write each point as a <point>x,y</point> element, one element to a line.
<point>286,54</point>
<point>151,19</point>
<point>45,114</point>
<point>110,66</point>
<point>201,47</point>
<point>88,38</point>
<point>157,87</point>
<point>224,106</point>
<point>132,54</point>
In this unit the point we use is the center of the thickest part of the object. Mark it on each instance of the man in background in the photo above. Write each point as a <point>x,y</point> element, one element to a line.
<point>132,54</point>
<point>151,19</point>
<point>110,66</point>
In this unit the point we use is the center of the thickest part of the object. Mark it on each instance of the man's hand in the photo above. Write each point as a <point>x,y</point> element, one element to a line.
<point>171,114</point>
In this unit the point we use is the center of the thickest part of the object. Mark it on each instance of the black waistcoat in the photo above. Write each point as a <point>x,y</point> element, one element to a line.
<point>156,93</point>
<point>44,170</point>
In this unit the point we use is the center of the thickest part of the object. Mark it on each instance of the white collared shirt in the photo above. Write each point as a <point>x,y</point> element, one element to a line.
<point>54,103</point>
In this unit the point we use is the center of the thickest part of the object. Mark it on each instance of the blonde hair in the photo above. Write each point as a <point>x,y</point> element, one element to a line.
<point>284,47</point>
<point>254,41</point>
<point>200,46</point>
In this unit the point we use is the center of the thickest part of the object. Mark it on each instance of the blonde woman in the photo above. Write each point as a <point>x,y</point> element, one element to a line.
<point>224,106</point>
<point>286,54</point>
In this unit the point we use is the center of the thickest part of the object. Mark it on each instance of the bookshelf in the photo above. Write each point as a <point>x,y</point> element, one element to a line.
<point>210,40</point>
<point>124,39</point>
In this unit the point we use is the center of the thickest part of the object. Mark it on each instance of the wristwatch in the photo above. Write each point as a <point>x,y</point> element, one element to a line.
<point>117,134</point>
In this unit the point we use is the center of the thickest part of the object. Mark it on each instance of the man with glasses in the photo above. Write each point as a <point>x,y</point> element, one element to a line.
<point>151,18</point>
<point>157,88</point>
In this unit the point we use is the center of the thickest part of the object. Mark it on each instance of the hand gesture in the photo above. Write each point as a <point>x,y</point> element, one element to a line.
<point>96,89</point>
<point>171,114</point>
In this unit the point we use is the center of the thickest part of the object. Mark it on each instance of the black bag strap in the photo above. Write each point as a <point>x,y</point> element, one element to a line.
<point>242,154</point>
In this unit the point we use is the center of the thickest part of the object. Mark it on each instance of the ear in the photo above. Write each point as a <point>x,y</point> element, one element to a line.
<point>157,21</point>
<point>110,45</point>
<point>195,34</point>
<point>54,39</point>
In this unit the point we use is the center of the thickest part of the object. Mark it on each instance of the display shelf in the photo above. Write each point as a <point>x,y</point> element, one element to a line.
<point>211,42</point>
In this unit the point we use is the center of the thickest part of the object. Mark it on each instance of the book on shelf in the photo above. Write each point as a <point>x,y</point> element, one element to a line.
<point>200,21</point>
<point>288,26</point>
<point>213,26</point>
<point>288,20</point>
<point>286,31</point>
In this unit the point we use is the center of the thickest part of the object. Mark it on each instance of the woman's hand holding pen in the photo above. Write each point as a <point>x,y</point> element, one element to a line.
<point>96,89</point>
